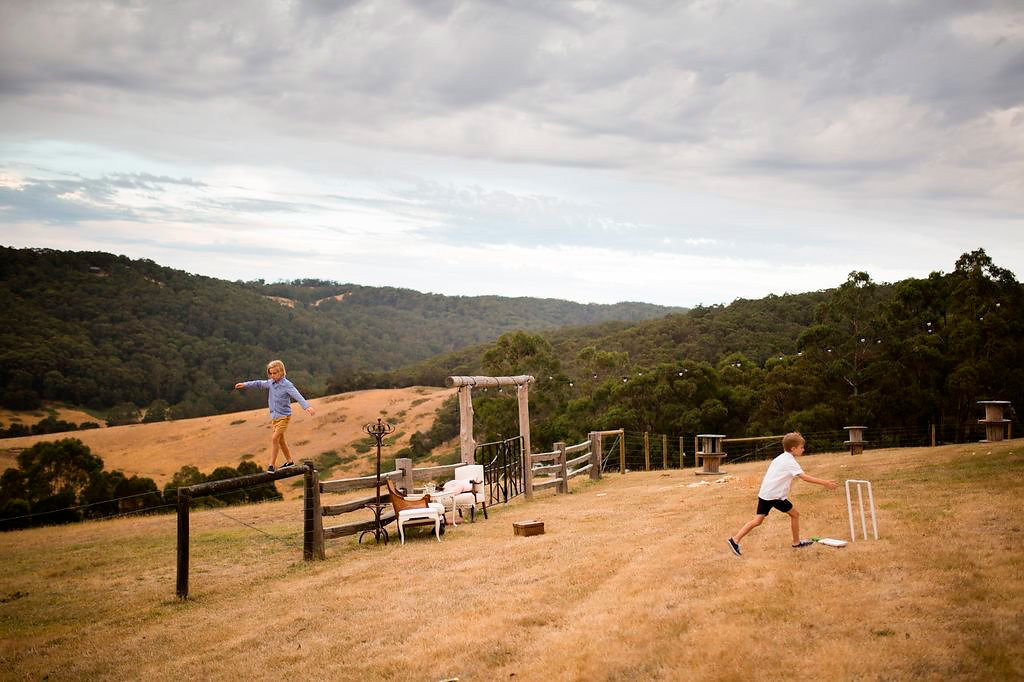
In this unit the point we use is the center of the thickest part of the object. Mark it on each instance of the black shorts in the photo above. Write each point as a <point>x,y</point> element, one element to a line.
<point>765,506</point>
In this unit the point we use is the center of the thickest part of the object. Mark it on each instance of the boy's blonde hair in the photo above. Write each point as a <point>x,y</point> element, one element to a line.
<point>791,440</point>
<point>277,363</point>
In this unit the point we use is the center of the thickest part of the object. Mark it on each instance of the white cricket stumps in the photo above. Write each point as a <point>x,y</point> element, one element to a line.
<point>860,501</point>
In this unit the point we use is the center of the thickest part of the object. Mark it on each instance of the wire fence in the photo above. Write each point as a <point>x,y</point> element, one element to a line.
<point>655,451</point>
<point>640,452</point>
<point>149,502</point>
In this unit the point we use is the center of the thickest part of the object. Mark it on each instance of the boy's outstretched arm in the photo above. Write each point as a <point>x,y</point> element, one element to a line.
<point>242,385</point>
<point>831,485</point>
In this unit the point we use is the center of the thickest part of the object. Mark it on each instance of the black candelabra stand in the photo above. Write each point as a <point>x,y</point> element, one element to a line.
<point>379,431</point>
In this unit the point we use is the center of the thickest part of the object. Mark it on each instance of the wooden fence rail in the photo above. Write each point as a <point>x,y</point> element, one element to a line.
<point>561,469</point>
<point>555,468</point>
<point>404,477</point>
<point>312,545</point>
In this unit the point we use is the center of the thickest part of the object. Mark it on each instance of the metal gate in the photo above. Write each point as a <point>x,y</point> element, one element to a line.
<point>504,475</point>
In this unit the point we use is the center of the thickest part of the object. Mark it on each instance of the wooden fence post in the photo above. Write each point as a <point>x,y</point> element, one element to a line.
<point>184,501</point>
<point>595,455</point>
<point>404,464</point>
<point>622,451</point>
<point>312,519</point>
<point>682,453</point>
<point>647,451</point>
<point>664,451</point>
<point>563,471</point>
<point>933,434</point>
<point>318,519</point>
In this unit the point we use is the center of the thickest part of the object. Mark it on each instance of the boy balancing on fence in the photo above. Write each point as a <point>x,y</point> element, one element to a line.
<point>280,391</point>
<point>774,491</point>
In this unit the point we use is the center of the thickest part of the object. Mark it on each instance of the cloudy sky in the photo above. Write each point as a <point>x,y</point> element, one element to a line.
<point>669,152</point>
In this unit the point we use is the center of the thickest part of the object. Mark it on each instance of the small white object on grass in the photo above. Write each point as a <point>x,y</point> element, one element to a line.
<point>831,542</point>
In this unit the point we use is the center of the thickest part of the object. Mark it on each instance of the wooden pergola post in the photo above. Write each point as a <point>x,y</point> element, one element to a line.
<point>523,395</point>
<point>467,446</point>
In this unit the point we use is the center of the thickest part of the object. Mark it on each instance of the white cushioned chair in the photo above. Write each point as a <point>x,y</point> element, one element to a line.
<point>475,499</point>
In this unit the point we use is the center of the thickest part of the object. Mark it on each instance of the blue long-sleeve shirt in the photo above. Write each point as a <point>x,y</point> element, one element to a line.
<point>279,395</point>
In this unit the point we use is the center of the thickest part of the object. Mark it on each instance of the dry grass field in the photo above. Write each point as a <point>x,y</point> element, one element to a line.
<point>61,412</point>
<point>158,450</point>
<point>632,581</point>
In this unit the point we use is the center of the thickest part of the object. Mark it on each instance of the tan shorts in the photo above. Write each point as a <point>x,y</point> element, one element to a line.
<point>280,425</point>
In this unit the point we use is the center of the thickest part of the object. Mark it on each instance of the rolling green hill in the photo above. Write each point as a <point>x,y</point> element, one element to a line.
<point>101,330</point>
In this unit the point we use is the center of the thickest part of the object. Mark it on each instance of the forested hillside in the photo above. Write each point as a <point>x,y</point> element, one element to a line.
<point>101,331</point>
<point>902,355</point>
<point>757,329</point>
<point>106,331</point>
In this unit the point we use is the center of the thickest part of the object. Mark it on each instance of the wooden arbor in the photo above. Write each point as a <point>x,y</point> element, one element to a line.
<point>995,424</point>
<point>467,445</point>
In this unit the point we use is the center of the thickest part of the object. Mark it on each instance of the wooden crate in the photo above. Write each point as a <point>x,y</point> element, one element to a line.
<point>527,528</point>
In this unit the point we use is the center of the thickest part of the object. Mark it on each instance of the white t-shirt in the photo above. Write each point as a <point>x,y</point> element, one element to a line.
<point>779,477</point>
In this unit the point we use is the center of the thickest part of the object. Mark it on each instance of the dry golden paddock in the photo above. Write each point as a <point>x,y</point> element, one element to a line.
<point>158,450</point>
<point>632,581</point>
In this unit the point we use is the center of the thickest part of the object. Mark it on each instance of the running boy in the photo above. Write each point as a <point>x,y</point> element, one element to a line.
<point>280,391</point>
<point>775,491</point>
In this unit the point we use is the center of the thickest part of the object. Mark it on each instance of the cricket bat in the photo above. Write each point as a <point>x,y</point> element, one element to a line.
<point>831,542</point>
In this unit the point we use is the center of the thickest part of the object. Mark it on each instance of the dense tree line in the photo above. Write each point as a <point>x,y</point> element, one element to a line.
<point>62,481</point>
<point>105,331</point>
<point>909,354</point>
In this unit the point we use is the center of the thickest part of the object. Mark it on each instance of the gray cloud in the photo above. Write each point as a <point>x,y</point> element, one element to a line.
<point>148,181</point>
<point>629,77</point>
<point>61,201</point>
<point>874,112</point>
<point>81,199</point>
